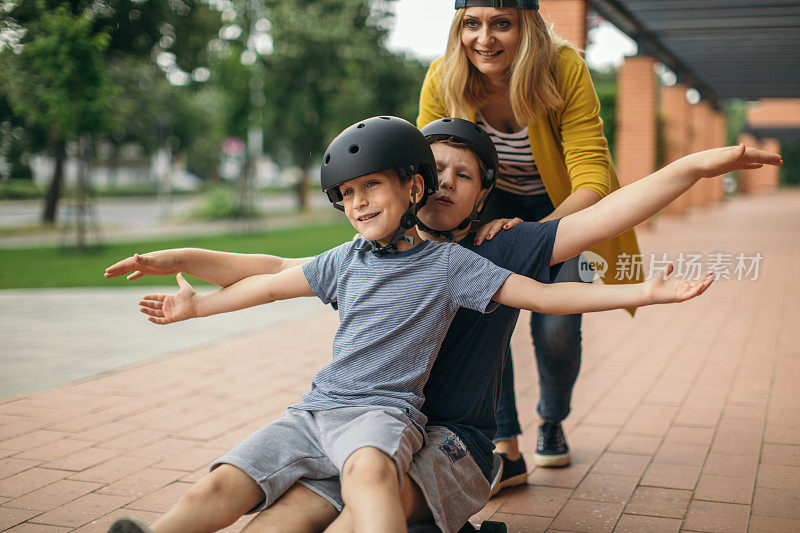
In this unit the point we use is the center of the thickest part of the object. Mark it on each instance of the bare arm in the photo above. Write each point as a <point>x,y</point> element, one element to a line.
<point>249,292</point>
<point>578,200</point>
<point>633,204</point>
<point>219,268</point>
<point>567,298</point>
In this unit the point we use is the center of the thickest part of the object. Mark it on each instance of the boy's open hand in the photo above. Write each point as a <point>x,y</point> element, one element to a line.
<point>160,263</point>
<point>718,161</point>
<point>662,290</point>
<point>169,308</point>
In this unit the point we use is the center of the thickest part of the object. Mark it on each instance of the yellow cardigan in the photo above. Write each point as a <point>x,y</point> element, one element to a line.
<point>568,146</point>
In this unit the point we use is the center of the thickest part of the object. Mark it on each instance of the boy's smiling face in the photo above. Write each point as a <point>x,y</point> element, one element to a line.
<point>459,188</point>
<point>375,203</point>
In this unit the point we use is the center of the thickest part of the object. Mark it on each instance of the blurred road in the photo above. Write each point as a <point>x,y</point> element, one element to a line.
<point>144,211</point>
<point>135,218</point>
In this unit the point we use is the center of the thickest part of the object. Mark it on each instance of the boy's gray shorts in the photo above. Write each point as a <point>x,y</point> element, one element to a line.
<point>315,445</point>
<point>452,483</point>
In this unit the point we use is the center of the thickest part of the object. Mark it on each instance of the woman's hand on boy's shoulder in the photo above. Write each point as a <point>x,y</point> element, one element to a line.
<point>490,229</point>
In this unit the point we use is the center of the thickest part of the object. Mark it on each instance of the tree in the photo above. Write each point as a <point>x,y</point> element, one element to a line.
<point>329,68</point>
<point>58,81</point>
<point>129,34</point>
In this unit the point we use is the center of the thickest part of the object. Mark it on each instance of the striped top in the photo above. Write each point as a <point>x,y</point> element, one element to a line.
<point>518,172</point>
<point>394,312</point>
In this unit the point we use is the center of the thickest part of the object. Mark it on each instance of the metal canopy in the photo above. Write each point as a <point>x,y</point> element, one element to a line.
<point>723,48</point>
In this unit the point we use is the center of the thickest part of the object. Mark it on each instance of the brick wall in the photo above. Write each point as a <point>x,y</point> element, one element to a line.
<point>748,179</point>
<point>764,179</point>
<point>636,119</point>
<point>677,134</point>
<point>720,133</point>
<point>568,18</point>
<point>702,114</point>
<point>774,112</point>
<point>769,175</point>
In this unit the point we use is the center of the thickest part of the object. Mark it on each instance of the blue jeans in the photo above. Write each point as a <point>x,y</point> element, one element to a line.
<point>556,338</point>
<point>557,345</point>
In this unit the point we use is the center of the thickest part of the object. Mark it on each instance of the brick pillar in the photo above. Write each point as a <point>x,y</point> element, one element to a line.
<point>568,18</point>
<point>636,119</point>
<point>677,134</point>
<point>701,119</point>
<point>770,176</point>
<point>719,138</point>
<point>748,179</point>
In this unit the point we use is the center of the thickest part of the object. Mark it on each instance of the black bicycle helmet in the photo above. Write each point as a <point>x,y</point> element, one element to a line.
<point>481,144</point>
<point>373,145</point>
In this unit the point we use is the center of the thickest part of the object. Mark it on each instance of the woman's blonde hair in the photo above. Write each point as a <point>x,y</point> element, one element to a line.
<point>532,85</point>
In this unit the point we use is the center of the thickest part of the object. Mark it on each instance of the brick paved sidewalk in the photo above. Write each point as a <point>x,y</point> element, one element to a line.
<point>684,418</point>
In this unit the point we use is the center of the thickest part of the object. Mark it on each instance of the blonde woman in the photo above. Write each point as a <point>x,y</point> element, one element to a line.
<point>532,93</point>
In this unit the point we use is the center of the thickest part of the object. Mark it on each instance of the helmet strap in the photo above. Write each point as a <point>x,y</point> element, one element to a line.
<point>464,224</point>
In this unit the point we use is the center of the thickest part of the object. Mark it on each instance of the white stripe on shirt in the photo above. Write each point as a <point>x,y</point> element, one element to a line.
<point>518,171</point>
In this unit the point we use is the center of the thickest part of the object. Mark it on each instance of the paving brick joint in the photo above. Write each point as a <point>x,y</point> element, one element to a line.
<point>685,418</point>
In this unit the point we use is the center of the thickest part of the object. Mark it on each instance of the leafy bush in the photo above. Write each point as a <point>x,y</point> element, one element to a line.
<point>20,190</point>
<point>222,202</point>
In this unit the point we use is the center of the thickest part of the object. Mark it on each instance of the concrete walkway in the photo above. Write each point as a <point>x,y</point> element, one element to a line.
<point>50,336</point>
<point>686,418</point>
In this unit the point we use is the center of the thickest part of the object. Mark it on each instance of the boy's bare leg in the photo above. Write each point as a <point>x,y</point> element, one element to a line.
<point>343,523</point>
<point>213,503</point>
<point>299,510</point>
<point>415,509</point>
<point>371,492</point>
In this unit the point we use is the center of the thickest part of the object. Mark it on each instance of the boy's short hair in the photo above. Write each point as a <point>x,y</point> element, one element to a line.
<point>455,143</point>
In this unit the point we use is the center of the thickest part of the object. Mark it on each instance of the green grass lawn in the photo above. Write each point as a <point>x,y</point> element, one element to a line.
<point>53,267</point>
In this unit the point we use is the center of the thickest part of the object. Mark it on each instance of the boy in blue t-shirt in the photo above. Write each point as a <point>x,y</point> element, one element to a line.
<point>361,418</point>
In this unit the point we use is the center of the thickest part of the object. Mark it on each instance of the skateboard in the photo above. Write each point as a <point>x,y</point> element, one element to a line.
<point>487,526</point>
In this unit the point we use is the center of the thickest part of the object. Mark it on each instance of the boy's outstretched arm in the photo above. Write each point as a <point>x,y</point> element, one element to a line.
<point>567,298</point>
<point>251,291</point>
<point>633,204</point>
<point>219,268</point>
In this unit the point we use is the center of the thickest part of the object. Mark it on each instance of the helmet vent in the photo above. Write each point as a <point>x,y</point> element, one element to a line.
<point>385,118</point>
<point>353,149</point>
<point>361,125</point>
<point>327,158</point>
<point>447,120</point>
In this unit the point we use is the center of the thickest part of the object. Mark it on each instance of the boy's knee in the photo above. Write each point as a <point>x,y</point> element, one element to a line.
<point>369,465</point>
<point>223,483</point>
